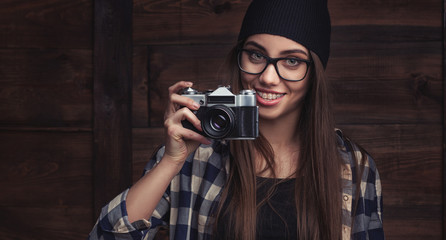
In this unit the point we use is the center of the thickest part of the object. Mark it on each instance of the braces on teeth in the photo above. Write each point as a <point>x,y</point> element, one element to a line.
<point>270,96</point>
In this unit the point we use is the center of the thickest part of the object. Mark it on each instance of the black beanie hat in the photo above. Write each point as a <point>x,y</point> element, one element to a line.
<point>304,21</point>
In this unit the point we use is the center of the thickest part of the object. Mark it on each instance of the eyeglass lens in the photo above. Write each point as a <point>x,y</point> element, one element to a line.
<point>292,69</point>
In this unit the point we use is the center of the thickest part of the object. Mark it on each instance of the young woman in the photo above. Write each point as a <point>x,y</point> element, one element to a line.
<point>300,179</point>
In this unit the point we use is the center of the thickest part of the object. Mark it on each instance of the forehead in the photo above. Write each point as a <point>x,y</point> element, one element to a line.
<point>274,43</point>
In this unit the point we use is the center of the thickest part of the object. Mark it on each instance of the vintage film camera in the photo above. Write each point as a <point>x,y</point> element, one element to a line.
<point>224,115</point>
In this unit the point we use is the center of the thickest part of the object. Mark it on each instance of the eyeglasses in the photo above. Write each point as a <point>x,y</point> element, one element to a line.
<point>290,69</point>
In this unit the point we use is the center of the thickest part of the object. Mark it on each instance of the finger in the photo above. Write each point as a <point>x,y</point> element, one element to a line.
<point>178,86</point>
<point>173,102</point>
<point>178,133</point>
<point>183,114</point>
<point>176,101</point>
<point>191,135</point>
<point>184,101</point>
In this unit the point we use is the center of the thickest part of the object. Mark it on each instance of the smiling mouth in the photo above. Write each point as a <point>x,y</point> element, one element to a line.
<point>270,96</point>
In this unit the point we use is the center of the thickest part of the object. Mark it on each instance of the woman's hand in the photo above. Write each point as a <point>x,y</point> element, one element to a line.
<point>144,195</point>
<point>180,141</point>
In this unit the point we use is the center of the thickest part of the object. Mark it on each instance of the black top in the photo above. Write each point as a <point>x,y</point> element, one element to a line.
<point>276,219</point>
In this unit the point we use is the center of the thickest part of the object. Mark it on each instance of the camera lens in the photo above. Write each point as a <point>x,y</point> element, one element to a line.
<point>218,121</point>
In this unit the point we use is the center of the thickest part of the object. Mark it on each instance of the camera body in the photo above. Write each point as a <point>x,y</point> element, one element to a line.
<point>224,115</point>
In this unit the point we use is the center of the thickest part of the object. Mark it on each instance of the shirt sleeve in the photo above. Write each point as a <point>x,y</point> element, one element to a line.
<point>368,223</point>
<point>375,204</point>
<point>113,223</point>
<point>366,211</point>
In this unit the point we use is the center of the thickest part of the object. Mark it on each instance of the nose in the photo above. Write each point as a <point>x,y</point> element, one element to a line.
<point>270,76</point>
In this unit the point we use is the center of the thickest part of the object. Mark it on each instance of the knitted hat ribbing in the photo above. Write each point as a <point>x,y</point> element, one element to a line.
<point>304,21</point>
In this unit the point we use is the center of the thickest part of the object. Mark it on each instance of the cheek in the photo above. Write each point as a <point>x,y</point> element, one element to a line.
<point>304,85</point>
<point>247,79</point>
<point>300,90</point>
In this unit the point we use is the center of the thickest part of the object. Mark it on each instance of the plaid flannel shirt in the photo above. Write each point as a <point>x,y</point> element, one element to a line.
<point>189,201</point>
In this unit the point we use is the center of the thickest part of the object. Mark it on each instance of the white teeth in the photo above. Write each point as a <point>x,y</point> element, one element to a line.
<point>270,96</point>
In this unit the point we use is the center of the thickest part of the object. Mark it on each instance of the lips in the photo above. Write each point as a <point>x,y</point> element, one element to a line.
<point>268,98</point>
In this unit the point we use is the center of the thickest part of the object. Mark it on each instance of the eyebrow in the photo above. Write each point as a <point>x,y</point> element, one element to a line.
<point>283,52</point>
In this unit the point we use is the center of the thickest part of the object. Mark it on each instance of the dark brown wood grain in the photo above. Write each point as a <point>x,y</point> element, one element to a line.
<point>46,185</point>
<point>46,110</point>
<point>175,22</point>
<point>48,168</point>
<point>200,64</point>
<point>171,21</point>
<point>412,229</point>
<point>388,83</point>
<point>387,13</point>
<point>66,222</point>
<point>145,142</point>
<point>46,87</point>
<point>46,24</point>
<point>112,99</point>
<point>444,124</point>
<point>140,91</point>
<point>385,33</point>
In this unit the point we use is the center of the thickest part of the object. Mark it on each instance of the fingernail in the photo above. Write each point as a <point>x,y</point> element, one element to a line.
<point>189,84</point>
<point>196,105</point>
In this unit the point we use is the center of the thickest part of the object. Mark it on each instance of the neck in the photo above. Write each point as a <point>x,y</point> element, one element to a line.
<point>280,132</point>
<point>283,136</point>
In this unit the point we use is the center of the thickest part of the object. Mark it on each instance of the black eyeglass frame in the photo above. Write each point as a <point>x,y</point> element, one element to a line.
<point>273,61</point>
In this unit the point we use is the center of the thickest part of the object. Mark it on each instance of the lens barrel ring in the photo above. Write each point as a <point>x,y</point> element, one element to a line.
<point>218,122</point>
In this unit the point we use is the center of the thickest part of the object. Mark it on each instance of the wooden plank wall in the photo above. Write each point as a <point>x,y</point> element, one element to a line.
<point>46,115</point>
<point>387,71</point>
<point>112,171</point>
<point>386,67</point>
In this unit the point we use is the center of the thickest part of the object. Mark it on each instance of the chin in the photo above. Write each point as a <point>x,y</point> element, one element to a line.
<point>267,114</point>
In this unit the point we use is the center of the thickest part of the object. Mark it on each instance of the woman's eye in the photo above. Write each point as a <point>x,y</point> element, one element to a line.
<point>292,62</point>
<point>256,56</point>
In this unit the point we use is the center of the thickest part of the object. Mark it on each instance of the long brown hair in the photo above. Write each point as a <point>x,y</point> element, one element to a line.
<point>318,183</point>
